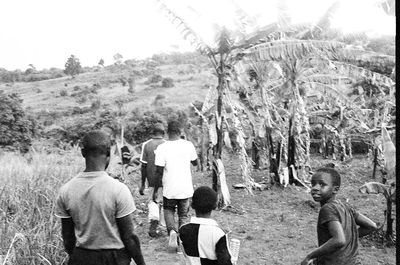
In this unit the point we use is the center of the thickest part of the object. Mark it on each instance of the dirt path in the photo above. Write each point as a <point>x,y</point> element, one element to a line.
<point>277,226</point>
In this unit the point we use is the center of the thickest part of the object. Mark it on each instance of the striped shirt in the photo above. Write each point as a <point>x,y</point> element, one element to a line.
<point>204,242</point>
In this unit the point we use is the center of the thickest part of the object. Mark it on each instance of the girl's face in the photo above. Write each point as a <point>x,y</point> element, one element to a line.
<point>322,188</point>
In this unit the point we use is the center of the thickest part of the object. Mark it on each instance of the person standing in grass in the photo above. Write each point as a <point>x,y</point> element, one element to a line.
<point>173,159</point>
<point>203,241</point>
<point>339,225</point>
<point>96,211</point>
<point>148,171</point>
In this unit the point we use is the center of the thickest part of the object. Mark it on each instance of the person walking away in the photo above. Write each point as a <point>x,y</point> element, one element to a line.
<point>96,211</point>
<point>148,171</point>
<point>203,241</point>
<point>173,159</point>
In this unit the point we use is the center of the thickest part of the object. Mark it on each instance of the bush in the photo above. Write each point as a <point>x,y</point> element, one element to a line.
<point>16,128</point>
<point>141,130</point>
<point>154,79</point>
<point>63,93</point>
<point>167,82</point>
<point>96,104</point>
<point>82,99</point>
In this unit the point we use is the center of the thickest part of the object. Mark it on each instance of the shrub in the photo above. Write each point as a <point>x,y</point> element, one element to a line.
<point>16,128</point>
<point>76,88</point>
<point>96,104</point>
<point>141,130</point>
<point>154,79</point>
<point>167,82</point>
<point>63,93</point>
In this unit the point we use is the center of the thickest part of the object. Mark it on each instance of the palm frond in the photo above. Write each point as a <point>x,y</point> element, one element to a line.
<point>185,30</point>
<point>294,49</point>
<point>360,73</point>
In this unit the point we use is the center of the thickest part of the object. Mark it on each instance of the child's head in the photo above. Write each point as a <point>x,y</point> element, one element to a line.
<point>204,200</point>
<point>325,183</point>
<point>174,127</point>
<point>96,143</point>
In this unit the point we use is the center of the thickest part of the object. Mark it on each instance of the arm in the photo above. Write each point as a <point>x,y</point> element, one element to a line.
<point>68,234</point>
<point>130,240</point>
<point>144,176</point>
<point>223,255</point>
<point>367,226</point>
<point>159,176</point>
<point>337,241</point>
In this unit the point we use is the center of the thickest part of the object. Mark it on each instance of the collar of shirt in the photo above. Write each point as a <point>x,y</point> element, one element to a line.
<point>203,221</point>
<point>92,174</point>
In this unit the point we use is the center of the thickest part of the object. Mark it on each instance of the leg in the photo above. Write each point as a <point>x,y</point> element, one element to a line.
<point>169,211</point>
<point>183,210</point>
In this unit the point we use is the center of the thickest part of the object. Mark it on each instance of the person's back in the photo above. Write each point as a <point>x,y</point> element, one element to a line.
<point>94,200</point>
<point>203,241</point>
<point>96,211</point>
<point>337,211</point>
<point>177,178</point>
<point>148,157</point>
<point>337,223</point>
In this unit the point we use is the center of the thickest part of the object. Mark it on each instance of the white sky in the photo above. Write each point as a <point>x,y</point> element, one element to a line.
<point>46,32</point>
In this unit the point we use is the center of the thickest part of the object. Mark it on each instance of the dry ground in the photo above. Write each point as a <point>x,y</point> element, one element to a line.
<point>276,226</point>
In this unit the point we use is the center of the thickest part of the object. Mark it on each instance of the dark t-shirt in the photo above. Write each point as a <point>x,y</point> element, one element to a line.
<point>345,214</point>
<point>148,157</point>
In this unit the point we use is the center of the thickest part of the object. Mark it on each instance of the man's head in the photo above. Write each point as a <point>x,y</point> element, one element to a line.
<point>174,128</point>
<point>325,183</point>
<point>204,200</point>
<point>158,129</point>
<point>96,145</point>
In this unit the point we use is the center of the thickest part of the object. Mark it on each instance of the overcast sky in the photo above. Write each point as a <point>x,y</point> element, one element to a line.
<point>46,32</point>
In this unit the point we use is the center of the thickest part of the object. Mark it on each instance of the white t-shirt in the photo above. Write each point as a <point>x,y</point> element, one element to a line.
<point>94,200</point>
<point>175,156</point>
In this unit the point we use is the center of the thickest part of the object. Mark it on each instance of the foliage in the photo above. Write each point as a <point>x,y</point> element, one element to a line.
<point>154,79</point>
<point>140,131</point>
<point>73,66</point>
<point>17,129</point>
<point>167,82</point>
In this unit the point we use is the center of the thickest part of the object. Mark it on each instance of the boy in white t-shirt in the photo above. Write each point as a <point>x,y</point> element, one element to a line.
<point>173,159</point>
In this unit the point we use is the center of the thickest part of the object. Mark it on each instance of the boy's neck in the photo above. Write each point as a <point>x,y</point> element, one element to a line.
<point>203,215</point>
<point>94,166</point>
<point>173,137</point>
<point>329,200</point>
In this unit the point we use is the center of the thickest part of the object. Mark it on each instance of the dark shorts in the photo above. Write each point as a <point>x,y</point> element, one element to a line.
<point>81,256</point>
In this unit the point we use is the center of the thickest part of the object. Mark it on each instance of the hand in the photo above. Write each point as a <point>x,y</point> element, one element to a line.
<point>306,261</point>
<point>141,190</point>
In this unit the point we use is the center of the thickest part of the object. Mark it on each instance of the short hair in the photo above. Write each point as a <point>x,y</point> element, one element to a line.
<point>335,176</point>
<point>158,128</point>
<point>204,199</point>
<point>174,127</point>
<point>95,143</point>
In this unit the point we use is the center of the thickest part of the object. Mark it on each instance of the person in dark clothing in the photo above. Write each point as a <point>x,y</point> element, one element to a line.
<point>339,225</point>
<point>148,171</point>
<point>205,232</point>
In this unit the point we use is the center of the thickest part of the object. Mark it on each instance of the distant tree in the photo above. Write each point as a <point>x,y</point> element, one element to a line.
<point>73,66</point>
<point>16,128</point>
<point>101,62</point>
<point>167,82</point>
<point>117,58</point>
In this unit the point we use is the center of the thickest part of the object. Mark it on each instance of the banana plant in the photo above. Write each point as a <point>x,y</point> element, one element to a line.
<point>389,192</point>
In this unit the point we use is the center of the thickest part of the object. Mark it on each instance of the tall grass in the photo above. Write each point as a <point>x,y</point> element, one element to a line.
<point>28,188</point>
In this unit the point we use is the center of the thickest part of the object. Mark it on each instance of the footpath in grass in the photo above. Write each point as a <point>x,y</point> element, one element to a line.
<point>276,226</point>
